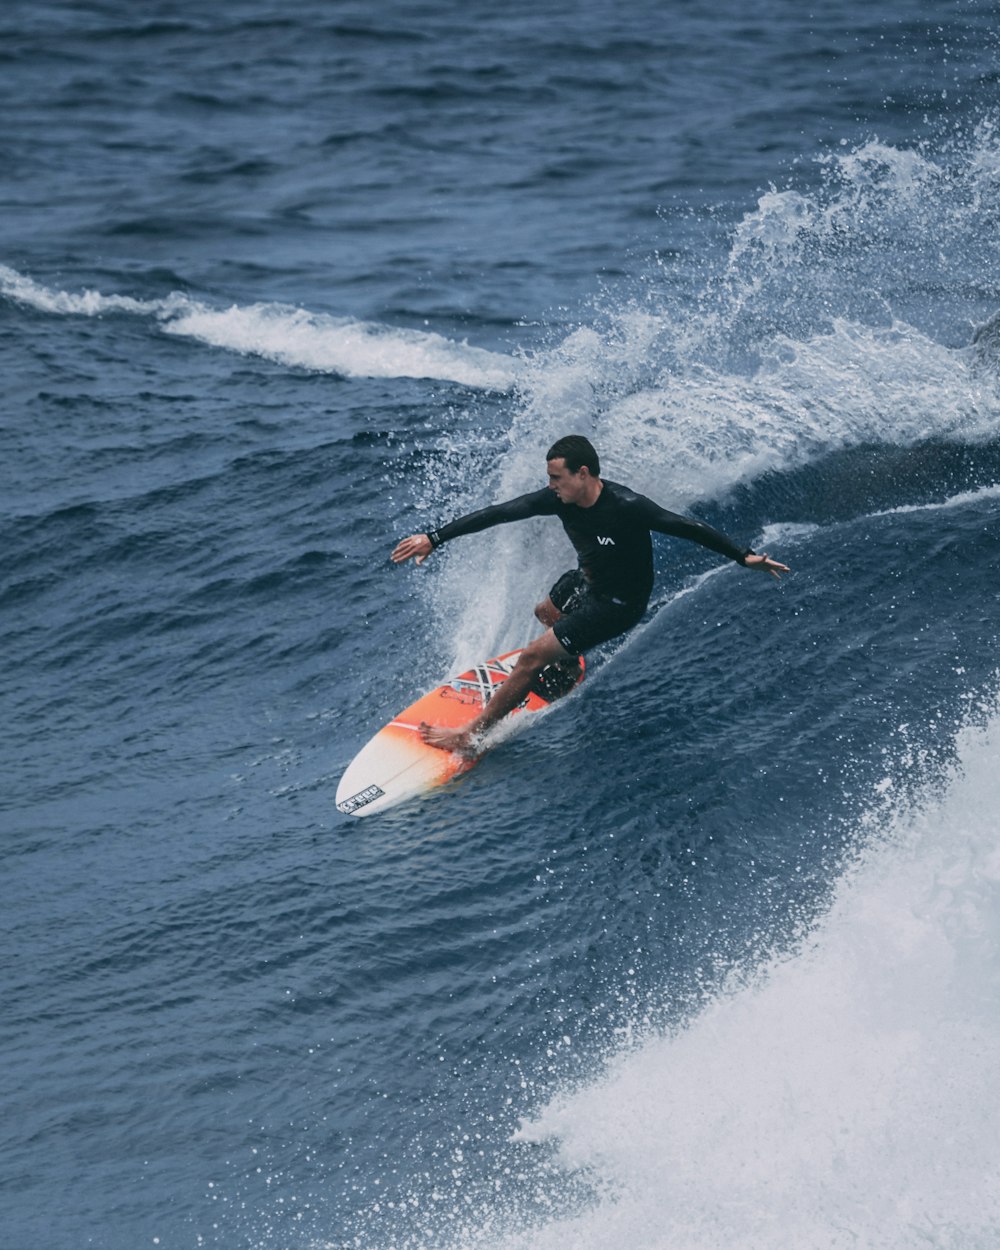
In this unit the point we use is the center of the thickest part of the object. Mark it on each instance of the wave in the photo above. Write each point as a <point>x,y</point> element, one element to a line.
<point>839,1096</point>
<point>842,316</point>
<point>695,438</point>
<point>290,336</point>
<point>844,1097</point>
<point>961,500</point>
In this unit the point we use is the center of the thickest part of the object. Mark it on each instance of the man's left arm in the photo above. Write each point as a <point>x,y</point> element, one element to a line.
<point>677,526</point>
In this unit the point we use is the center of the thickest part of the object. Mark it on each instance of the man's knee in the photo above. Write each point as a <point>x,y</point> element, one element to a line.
<point>542,651</point>
<point>547,613</point>
<point>533,658</point>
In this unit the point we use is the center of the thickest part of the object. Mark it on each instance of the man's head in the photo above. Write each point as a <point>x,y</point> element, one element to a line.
<point>578,452</point>
<point>574,469</point>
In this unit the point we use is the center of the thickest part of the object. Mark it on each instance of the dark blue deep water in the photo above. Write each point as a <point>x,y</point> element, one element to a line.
<point>707,959</point>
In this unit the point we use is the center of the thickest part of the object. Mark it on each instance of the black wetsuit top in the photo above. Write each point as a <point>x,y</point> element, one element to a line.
<point>611,537</point>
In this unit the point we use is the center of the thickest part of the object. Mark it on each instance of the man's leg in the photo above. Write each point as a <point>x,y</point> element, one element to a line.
<point>560,677</point>
<point>547,612</point>
<point>536,655</point>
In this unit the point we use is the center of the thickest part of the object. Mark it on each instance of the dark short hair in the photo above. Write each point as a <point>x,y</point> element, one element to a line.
<point>577,451</point>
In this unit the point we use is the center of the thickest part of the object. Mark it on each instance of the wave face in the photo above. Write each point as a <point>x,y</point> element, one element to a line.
<point>708,957</point>
<point>837,1097</point>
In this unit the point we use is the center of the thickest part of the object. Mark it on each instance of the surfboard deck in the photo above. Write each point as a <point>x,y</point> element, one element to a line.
<point>397,765</point>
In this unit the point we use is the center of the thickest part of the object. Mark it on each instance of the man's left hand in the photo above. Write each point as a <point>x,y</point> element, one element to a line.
<point>764,564</point>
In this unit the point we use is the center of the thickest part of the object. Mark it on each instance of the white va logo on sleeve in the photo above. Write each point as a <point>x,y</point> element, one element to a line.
<point>605,542</point>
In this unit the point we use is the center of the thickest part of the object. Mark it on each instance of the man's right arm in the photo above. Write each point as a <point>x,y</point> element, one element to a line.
<point>537,503</point>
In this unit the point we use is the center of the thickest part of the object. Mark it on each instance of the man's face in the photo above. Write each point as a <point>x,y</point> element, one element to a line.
<point>570,487</point>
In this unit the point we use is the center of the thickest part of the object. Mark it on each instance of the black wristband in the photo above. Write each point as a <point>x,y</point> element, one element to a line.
<point>434,538</point>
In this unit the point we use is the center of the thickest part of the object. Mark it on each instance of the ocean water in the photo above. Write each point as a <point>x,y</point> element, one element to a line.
<point>708,959</point>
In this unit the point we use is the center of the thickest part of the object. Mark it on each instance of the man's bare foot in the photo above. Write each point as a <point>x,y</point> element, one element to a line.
<point>461,741</point>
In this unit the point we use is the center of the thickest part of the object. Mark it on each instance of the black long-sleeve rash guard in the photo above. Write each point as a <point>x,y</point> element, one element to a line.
<point>612,537</point>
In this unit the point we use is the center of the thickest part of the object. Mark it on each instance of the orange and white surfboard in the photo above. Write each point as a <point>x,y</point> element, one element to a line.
<point>397,764</point>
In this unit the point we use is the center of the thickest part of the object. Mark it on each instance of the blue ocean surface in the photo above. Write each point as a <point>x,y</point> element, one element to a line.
<point>708,958</point>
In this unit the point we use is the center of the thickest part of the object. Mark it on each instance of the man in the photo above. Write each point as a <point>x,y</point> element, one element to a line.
<point>606,595</point>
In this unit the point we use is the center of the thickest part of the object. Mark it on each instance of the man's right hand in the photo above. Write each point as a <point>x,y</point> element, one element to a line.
<point>418,545</point>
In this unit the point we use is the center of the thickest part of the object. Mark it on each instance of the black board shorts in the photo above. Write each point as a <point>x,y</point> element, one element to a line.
<point>588,619</point>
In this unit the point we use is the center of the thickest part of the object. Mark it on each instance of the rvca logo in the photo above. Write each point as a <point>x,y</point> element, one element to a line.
<point>605,542</point>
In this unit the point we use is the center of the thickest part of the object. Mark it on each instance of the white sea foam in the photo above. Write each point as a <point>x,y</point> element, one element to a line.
<point>849,1096</point>
<point>704,431</point>
<point>290,336</point>
<point>961,500</point>
<point>350,348</point>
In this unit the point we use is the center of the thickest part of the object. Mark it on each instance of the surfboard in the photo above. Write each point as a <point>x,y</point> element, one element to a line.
<point>397,765</point>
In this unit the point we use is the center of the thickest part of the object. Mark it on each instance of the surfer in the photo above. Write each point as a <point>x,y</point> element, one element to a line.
<point>605,595</point>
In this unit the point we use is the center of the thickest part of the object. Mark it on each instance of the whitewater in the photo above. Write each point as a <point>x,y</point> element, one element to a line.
<point>844,1097</point>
